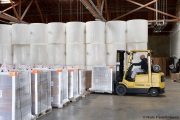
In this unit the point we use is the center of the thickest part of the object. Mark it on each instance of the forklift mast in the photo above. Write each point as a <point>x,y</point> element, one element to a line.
<point>120,65</point>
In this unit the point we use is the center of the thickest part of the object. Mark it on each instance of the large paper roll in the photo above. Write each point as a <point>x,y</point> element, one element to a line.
<point>137,31</point>
<point>112,52</point>
<point>6,54</point>
<point>21,54</point>
<point>38,54</point>
<point>137,46</point>
<point>38,33</point>
<point>75,33</point>
<point>95,32</point>
<point>75,54</point>
<point>5,34</point>
<point>56,54</point>
<point>56,32</point>
<point>95,54</point>
<point>116,32</point>
<point>20,34</point>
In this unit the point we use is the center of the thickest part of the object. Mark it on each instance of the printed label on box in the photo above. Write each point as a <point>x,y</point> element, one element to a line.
<point>0,95</point>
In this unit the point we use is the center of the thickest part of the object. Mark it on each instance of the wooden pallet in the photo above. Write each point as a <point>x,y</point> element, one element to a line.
<point>75,99</point>
<point>43,113</point>
<point>85,94</point>
<point>61,106</point>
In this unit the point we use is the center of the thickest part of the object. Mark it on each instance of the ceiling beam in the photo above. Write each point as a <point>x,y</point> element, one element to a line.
<point>19,7</point>
<point>107,11</point>
<point>143,6</point>
<point>170,20</point>
<point>22,17</point>
<point>39,10</point>
<point>11,18</point>
<point>175,17</point>
<point>14,9</point>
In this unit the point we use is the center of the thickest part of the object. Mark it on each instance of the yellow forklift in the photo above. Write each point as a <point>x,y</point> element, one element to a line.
<point>149,82</point>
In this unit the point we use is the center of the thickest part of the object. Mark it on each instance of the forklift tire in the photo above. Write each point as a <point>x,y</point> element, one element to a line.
<point>154,92</point>
<point>121,90</point>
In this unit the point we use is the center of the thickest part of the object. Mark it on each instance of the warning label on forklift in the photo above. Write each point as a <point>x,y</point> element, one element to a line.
<point>162,117</point>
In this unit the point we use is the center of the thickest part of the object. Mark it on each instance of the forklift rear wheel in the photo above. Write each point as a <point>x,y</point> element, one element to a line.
<point>121,90</point>
<point>154,92</point>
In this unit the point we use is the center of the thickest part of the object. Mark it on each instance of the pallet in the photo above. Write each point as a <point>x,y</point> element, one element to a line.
<point>61,106</point>
<point>85,94</point>
<point>75,99</point>
<point>44,113</point>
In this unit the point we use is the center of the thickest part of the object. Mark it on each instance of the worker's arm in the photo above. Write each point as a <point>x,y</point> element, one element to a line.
<point>137,64</point>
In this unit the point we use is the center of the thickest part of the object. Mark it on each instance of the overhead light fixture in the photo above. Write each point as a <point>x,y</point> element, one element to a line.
<point>158,27</point>
<point>5,1</point>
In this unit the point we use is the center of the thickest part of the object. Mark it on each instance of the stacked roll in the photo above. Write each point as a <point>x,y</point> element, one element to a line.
<point>115,39</point>
<point>75,47</point>
<point>38,44</point>
<point>137,37</point>
<point>5,44</point>
<point>95,43</point>
<point>56,44</point>
<point>21,44</point>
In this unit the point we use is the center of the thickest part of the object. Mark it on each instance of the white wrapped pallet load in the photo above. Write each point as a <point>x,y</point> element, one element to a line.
<point>38,54</point>
<point>20,34</point>
<point>95,54</point>
<point>82,81</point>
<point>102,79</point>
<point>116,32</point>
<point>41,91</point>
<point>137,30</point>
<point>95,32</point>
<point>5,34</point>
<point>21,54</point>
<point>38,33</point>
<point>136,56</point>
<point>15,96</point>
<point>75,54</point>
<point>73,84</point>
<point>75,33</point>
<point>6,54</point>
<point>56,54</point>
<point>59,87</point>
<point>56,32</point>
<point>112,52</point>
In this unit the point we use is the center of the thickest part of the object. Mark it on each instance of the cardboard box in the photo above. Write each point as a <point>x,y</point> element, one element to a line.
<point>88,79</point>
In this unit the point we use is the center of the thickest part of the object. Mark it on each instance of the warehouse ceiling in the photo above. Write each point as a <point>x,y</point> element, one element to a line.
<point>160,14</point>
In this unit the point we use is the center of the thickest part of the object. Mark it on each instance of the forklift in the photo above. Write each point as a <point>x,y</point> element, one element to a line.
<point>149,82</point>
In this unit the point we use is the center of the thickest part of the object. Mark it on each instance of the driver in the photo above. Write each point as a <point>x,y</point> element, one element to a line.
<point>143,64</point>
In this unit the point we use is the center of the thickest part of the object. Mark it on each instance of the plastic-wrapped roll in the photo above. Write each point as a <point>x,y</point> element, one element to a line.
<point>5,34</point>
<point>95,32</point>
<point>6,54</point>
<point>116,32</point>
<point>56,32</point>
<point>56,54</point>
<point>20,34</point>
<point>137,46</point>
<point>38,33</point>
<point>21,54</point>
<point>95,54</point>
<point>75,54</point>
<point>112,52</point>
<point>137,31</point>
<point>38,54</point>
<point>75,33</point>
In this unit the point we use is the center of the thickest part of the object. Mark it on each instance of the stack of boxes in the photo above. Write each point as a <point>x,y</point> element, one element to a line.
<point>102,79</point>
<point>15,96</point>
<point>41,91</point>
<point>59,87</point>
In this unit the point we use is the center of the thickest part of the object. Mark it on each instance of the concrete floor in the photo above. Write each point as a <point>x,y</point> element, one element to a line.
<point>129,107</point>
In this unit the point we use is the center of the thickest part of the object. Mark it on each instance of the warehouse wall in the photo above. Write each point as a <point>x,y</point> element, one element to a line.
<point>175,37</point>
<point>159,45</point>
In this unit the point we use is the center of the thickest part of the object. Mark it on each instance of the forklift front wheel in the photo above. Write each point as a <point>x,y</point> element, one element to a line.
<point>121,90</point>
<point>154,92</point>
